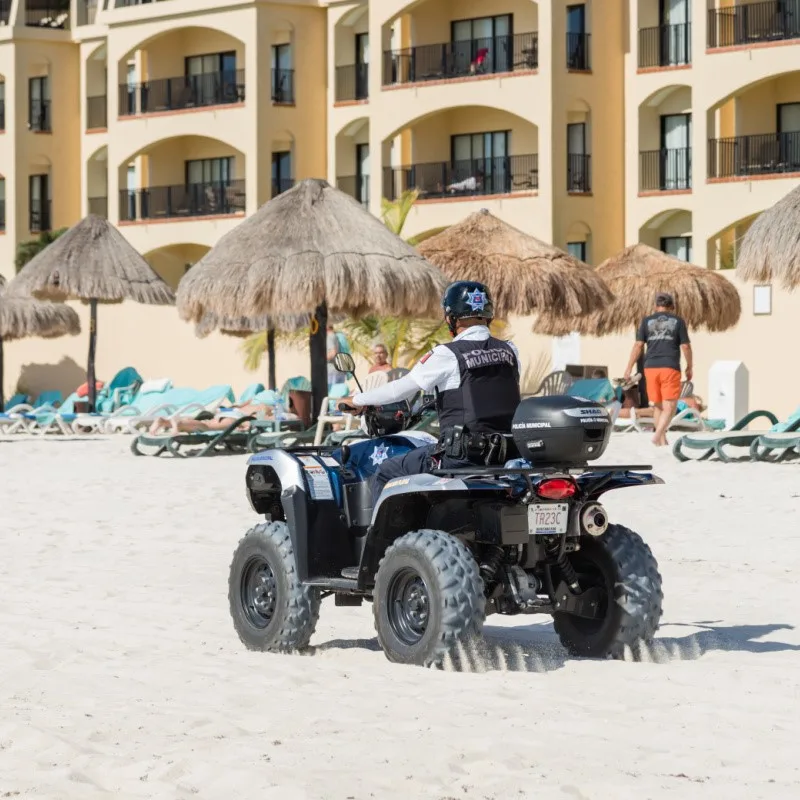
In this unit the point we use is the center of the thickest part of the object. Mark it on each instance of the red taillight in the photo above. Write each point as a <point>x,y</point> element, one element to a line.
<point>556,489</point>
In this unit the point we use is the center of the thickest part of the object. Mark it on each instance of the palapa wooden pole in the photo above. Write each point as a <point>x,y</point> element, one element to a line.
<point>271,380</point>
<point>319,359</point>
<point>2,401</point>
<point>92,347</point>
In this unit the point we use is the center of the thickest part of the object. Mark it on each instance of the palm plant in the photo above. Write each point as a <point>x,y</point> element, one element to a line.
<point>26,251</point>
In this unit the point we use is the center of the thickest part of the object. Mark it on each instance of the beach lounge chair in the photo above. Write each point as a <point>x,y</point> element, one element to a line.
<point>780,444</point>
<point>600,390</point>
<point>171,404</point>
<point>119,392</point>
<point>710,443</point>
<point>20,417</point>
<point>231,440</point>
<point>250,392</point>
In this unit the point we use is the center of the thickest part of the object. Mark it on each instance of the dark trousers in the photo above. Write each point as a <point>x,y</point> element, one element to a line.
<point>414,462</point>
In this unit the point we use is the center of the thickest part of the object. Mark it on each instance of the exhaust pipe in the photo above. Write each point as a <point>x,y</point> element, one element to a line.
<point>594,519</point>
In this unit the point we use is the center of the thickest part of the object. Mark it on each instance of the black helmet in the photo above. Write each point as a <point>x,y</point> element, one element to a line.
<point>467,299</point>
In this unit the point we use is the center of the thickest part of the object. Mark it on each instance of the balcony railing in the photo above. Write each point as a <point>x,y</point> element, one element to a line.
<point>579,173</point>
<point>2,114</point>
<point>99,206</point>
<point>47,14</point>
<point>665,45</point>
<point>87,11</point>
<point>477,177</point>
<point>283,86</point>
<point>96,112</point>
<point>357,186</point>
<point>762,154</point>
<point>578,52</point>
<point>2,215</point>
<point>665,170</point>
<point>281,185</point>
<point>128,3</point>
<point>39,116</point>
<point>39,216</point>
<point>751,23</point>
<point>472,57</point>
<point>352,83</point>
<point>187,200</point>
<point>185,91</point>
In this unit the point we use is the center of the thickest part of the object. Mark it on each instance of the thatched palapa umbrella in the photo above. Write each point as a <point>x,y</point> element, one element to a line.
<point>635,275</point>
<point>92,262</point>
<point>21,317</point>
<point>312,248</point>
<point>244,326</point>
<point>525,275</point>
<point>770,250</point>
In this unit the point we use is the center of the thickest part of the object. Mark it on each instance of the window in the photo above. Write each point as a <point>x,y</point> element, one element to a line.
<point>789,135</point>
<point>281,172</point>
<point>39,194</point>
<point>677,246</point>
<point>485,39</point>
<point>282,74</point>
<point>209,170</point>
<point>481,161</point>
<point>362,173</point>
<point>577,250</point>
<point>2,204</point>
<point>212,78</point>
<point>675,16</point>
<point>676,151</point>
<point>39,104</point>
<point>577,158</point>
<point>362,66</point>
<point>577,38</point>
<point>2,106</point>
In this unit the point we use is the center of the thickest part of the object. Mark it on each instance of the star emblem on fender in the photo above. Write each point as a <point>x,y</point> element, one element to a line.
<point>379,455</point>
<point>476,300</point>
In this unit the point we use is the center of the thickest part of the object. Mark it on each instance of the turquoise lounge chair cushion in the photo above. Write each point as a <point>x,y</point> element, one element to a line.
<point>250,392</point>
<point>16,400</point>
<point>267,397</point>
<point>792,421</point>
<point>599,390</point>
<point>48,399</point>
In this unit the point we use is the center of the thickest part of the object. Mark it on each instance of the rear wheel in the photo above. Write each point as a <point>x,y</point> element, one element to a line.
<point>623,568</point>
<point>428,599</point>
<point>271,609</point>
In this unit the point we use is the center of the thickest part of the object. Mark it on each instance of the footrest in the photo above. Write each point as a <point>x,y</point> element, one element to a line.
<point>351,573</point>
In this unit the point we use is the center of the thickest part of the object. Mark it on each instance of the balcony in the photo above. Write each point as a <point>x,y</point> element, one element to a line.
<point>96,113</point>
<point>39,117</point>
<point>87,11</point>
<point>281,185</point>
<point>99,206</point>
<point>665,46</point>
<point>181,93</point>
<point>182,202</point>
<point>753,23</point>
<point>357,186</point>
<point>352,83</point>
<point>579,173</point>
<point>578,52</point>
<point>39,216</point>
<point>47,14</point>
<point>665,170</point>
<point>282,86</point>
<point>464,59</point>
<point>474,178</point>
<point>747,156</point>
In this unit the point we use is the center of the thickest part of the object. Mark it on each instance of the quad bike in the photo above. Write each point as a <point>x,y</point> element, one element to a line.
<point>441,551</point>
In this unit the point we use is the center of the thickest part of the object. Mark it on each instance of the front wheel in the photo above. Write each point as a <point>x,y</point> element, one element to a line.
<point>270,607</point>
<point>623,568</point>
<point>428,599</point>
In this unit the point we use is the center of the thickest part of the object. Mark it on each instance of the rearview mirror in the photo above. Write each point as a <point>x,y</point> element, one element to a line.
<point>344,363</point>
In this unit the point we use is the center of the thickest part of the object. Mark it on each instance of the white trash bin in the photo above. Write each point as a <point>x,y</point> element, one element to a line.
<point>728,391</point>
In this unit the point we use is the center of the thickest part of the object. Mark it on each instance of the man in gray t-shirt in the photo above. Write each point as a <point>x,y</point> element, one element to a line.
<point>665,336</point>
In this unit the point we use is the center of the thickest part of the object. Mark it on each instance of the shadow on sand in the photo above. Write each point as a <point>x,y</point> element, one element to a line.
<point>537,649</point>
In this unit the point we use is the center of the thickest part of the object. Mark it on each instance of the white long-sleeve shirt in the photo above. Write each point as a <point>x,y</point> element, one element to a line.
<point>436,370</point>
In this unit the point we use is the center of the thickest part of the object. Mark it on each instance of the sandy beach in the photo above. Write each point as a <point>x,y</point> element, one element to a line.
<point>121,675</point>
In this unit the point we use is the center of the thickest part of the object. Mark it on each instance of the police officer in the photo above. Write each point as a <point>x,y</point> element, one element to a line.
<point>476,382</point>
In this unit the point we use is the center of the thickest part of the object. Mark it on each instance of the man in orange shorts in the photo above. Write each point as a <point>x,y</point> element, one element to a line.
<point>665,335</point>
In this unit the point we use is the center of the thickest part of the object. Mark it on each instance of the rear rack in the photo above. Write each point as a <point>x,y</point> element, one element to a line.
<point>479,472</point>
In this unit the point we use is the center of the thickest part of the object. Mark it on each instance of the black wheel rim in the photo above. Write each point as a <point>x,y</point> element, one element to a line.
<point>408,606</point>
<point>590,576</point>
<point>258,592</point>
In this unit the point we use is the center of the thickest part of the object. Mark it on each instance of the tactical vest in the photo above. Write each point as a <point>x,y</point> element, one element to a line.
<point>488,394</point>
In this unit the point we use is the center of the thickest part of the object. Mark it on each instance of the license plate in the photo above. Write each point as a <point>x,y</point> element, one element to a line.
<point>548,519</point>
